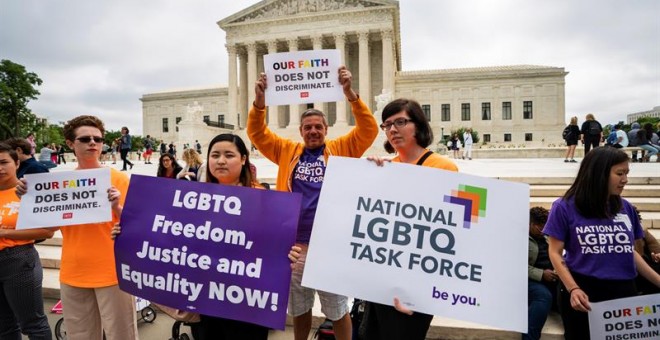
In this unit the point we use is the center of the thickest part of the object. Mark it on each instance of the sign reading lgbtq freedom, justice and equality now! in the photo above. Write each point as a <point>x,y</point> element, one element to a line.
<point>303,77</point>
<point>635,317</point>
<point>443,242</point>
<point>213,249</point>
<point>65,198</point>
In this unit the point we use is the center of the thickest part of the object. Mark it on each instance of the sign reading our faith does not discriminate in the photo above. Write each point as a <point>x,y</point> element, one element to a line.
<point>65,198</point>
<point>444,243</point>
<point>303,77</point>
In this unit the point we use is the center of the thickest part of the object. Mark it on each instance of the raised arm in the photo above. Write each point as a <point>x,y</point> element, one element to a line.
<point>268,143</point>
<point>346,81</point>
<point>360,138</point>
<point>260,91</point>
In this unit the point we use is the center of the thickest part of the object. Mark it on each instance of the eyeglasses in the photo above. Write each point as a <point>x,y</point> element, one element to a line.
<point>399,123</point>
<point>88,139</point>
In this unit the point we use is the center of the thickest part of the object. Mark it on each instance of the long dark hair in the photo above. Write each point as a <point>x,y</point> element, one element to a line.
<point>423,133</point>
<point>161,168</point>
<point>246,175</point>
<point>590,190</point>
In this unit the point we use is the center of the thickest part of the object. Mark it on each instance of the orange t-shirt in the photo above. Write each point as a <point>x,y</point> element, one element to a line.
<point>88,256</point>
<point>9,204</point>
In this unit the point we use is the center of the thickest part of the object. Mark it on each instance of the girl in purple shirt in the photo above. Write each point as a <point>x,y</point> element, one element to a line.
<point>597,229</point>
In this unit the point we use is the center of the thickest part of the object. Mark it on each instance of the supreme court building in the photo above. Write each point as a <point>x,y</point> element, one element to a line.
<point>519,104</point>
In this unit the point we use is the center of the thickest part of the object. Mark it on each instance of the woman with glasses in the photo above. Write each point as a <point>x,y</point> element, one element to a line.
<point>21,301</point>
<point>167,166</point>
<point>408,135</point>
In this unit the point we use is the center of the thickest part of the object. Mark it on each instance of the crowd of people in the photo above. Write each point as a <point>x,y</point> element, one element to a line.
<point>97,308</point>
<point>591,134</point>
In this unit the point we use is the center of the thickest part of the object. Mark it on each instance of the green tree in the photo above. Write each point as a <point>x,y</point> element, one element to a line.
<point>17,88</point>
<point>459,131</point>
<point>53,133</point>
<point>653,120</point>
<point>111,136</point>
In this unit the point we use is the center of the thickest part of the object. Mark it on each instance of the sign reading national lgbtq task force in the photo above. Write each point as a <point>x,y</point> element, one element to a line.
<point>303,77</point>
<point>65,198</point>
<point>636,317</point>
<point>444,243</point>
<point>208,248</point>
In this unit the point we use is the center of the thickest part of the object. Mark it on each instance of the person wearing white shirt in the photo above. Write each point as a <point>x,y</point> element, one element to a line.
<point>467,144</point>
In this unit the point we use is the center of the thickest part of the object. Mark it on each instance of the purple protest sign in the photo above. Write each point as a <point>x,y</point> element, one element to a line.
<point>213,249</point>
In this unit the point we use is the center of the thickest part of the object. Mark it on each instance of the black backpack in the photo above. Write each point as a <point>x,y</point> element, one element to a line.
<point>594,128</point>
<point>566,134</point>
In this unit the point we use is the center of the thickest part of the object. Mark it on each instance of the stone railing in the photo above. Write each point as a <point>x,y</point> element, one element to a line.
<point>523,152</point>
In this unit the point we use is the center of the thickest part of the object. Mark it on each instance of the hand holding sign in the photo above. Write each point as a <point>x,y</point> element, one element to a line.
<point>260,91</point>
<point>346,81</point>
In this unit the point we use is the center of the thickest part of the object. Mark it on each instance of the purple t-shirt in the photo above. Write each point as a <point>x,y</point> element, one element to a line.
<point>307,180</point>
<point>597,247</point>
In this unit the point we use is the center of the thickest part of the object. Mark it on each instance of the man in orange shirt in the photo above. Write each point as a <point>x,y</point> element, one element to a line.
<point>92,301</point>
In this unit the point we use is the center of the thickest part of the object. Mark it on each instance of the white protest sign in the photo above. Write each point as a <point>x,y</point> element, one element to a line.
<point>303,77</point>
<point>635,317</point>
<point>444,243</point>
<point>65,198</point>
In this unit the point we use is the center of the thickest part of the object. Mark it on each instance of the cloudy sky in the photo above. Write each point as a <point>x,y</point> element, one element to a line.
<point>100,57</point>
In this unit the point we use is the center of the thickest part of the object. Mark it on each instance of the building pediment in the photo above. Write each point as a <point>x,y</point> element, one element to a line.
<point>281,9</point>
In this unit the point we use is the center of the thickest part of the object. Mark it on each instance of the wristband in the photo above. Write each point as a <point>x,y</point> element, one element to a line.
<point>572,289</point>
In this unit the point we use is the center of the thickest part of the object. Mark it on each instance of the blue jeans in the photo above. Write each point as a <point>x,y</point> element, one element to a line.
<point>538,307</point>
<point>650,149</point>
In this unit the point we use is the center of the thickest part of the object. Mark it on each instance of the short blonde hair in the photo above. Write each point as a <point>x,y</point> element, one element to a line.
<point>573,120</point>
<point>590,116</point>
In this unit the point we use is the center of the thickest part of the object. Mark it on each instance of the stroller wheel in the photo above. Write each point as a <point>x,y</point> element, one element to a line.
<point>60,330</point>
<point>148,314</point>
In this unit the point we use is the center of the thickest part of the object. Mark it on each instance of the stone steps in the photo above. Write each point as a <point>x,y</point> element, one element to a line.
<point>643,204</point>
<point>633,190</point>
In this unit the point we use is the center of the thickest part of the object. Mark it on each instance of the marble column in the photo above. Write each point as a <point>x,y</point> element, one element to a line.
<point>232,88</point>
<point>273,111</point>
<point>388,62</point>
<point>294,109</point>
<point>244,89</point>
<point>317,44</point>
<point>252,73</point>
<point>340,44</point>
<point>365,76</point>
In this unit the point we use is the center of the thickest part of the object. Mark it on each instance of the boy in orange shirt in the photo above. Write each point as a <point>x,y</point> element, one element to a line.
<point>92,301</point>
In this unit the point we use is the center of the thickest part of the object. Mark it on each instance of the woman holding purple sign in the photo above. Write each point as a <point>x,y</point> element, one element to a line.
<point>597,229</point>
<point>228,163</point>
<point>21,301</point>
